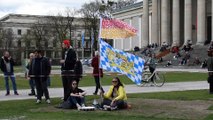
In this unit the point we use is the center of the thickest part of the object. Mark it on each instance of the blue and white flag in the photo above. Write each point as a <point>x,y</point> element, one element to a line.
<point>92,42</point>
<point>118,61</point>
<point>82,40</point>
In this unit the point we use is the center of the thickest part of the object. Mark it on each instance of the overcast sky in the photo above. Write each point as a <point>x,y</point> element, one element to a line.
<point>38,7</point>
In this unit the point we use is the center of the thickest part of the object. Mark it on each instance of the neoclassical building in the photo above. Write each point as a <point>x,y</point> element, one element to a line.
<point>21,24</point>
<point>170,21</point>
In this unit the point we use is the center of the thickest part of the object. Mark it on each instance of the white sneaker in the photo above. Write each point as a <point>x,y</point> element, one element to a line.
<point>78,107</point>
<point>106,107</point>
<point>38,101</point>
<point>48,101</point>
<point>82,105</point>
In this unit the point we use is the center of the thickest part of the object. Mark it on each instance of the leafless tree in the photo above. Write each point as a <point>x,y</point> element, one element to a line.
<point>8,38</point>
<point>91,13</point>
<point>62,25</point>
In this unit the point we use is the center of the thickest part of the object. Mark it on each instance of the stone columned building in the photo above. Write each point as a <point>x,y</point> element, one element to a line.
<point>172,21</point>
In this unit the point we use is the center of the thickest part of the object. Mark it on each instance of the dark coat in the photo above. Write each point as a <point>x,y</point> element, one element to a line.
<point>40,67</point>
<point>95,65</point>
<point>69,61</point>
<point>3,65</point>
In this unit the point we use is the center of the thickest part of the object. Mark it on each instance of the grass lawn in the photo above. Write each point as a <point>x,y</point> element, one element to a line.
<point>88,80</point>
<point>184,105</point>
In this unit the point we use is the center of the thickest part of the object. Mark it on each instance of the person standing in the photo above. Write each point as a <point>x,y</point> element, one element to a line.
<point>97,72</point>
<point>68,62</point>
<point>210,70</point>
<point>7,64</point>
<point>31,80</point>
<point>39,70</point>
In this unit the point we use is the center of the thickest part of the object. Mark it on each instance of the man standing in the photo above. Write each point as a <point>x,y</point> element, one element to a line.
<point>7,64</point>
<point>210,70</point>
<point>68,62</point>
<point>39,70</point>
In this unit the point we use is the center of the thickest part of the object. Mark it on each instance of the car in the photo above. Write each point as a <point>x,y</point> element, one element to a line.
<point>86,61</point>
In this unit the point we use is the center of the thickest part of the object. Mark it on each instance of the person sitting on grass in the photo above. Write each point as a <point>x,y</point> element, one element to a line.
<point>116,97</point>
<point>77,96</point>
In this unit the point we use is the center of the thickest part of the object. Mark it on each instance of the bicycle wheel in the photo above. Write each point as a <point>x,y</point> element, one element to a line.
<point>159,79</point>
<point>145,77</point>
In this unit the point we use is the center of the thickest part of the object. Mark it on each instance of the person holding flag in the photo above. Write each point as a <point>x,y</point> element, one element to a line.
<point>116,97</point>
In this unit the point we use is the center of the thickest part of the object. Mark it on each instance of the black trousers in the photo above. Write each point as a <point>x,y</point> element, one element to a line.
<point>210,80</point>
<point>121,104</point>
<point>152,70</point>
<point>41,87</point>
<point>98,85</point>
<point>67,78</point>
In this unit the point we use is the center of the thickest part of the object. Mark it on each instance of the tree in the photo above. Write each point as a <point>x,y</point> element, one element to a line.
<point>8,38</point>
<point>91,13</point>
<point>1,35</point>
<point>40,34</point>
<point>62,25</point>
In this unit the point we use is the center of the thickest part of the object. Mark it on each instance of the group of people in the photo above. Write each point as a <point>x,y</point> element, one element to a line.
<point>38,74</point>
<point>74,96</point>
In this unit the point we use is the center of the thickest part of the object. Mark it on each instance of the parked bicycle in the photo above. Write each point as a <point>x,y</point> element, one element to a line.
<point>158,78</point>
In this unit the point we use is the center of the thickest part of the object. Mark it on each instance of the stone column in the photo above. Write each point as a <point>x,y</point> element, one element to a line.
<point>164,21</point>
<point>145,23</point>
<point>188,21</point>
<point>155,21</point>
<point>201,17</point>
<point>176,22</point>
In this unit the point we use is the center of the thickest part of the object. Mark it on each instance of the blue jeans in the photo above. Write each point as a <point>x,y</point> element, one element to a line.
<point>48,81</point>
<point>74,100</point>
<point>13,79</point>
<point>32,84</point>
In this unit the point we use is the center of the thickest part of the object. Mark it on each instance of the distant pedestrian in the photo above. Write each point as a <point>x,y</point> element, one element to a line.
<point>210,71</point>
<point>7,64</point>
<point>97,72</point>
<point>39,70</point>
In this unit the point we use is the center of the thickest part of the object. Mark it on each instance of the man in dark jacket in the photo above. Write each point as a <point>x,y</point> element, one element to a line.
<point>210,70</point>
<point>68,62</point>
<point>39,70</point>
<point>6,66</point>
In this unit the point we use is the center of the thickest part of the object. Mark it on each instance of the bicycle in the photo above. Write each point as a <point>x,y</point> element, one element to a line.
<point>158,78</point>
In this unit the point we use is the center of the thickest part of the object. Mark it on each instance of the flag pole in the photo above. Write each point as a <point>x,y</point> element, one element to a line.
<point>99,37</point>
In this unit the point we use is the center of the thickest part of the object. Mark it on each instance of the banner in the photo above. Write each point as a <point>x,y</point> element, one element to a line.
<point>118,61</point>
<point>116,29</point>
<point>92,42</point>
<point>82,40</point>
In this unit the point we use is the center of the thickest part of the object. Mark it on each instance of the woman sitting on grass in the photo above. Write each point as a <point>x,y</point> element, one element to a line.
<point>116,97</point>
<point>77,96</point>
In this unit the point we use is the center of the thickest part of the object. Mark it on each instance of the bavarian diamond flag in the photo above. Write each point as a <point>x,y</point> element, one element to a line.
<point>118,61</point>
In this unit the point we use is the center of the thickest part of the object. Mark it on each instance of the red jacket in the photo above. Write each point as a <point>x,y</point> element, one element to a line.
<point>95,65</point>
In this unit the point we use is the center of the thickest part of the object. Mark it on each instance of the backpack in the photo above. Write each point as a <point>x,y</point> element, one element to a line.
<point>78,69</point>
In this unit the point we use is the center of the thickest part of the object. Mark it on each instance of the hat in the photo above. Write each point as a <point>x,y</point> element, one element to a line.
<point>67,43</point>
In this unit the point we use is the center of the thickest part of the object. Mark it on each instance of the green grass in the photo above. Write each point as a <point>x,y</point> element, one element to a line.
<point>177,95</point>
<point>28,110</point>
<point>88,80</point>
